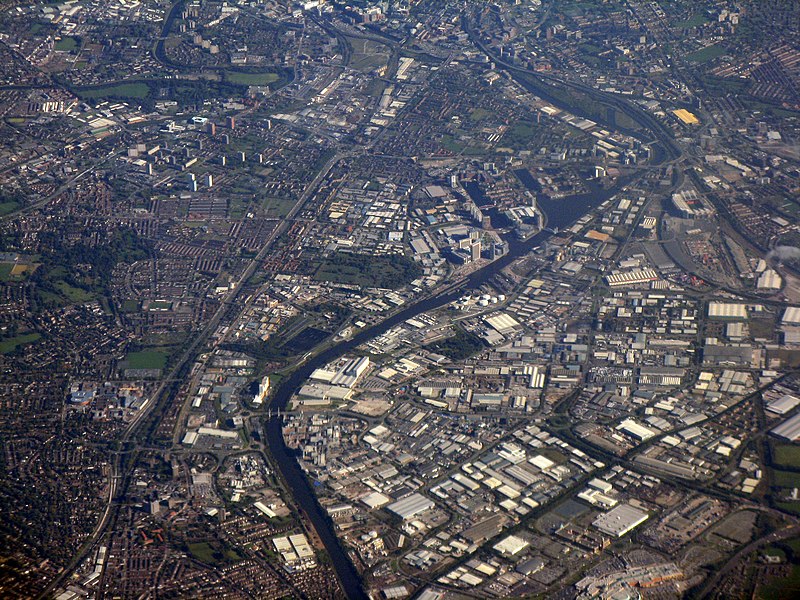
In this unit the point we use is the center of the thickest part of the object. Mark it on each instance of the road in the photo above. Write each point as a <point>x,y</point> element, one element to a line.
<point>527,77</point>
<point>288,466</point>
<point>27,208</point>
<point>712,583</point>
<point>561,213</point>
<point>160,401</point>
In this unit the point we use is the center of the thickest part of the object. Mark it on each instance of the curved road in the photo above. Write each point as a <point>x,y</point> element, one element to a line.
<point>285,459</point>
<point>528,79</point>
<point>560,213</point>
<point>120,470</point>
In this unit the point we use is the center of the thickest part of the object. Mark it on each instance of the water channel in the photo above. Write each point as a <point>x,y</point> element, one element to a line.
<point>560,213</point>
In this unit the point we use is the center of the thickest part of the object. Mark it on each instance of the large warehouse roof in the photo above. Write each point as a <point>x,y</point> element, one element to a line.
<point>727,310</point>
<point>502,323</point>
<point>789,429</point>
<point>783,405</point>
<point>636,430</point>
<point>511,545</point>
<point>792,315</point>
<point>376,500</point>
<point>620,520</point>
<point>411,506</point>
<point>631,277</point>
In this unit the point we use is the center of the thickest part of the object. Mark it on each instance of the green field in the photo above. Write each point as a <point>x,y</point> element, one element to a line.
<point>16,271</point>
<point>462,345</point>
<point>129,306</point>
<point>146,359</point>
<point>240,78</point>
<point>369,62</point>
<point>375,88</point>
<point>450,144</point>
<point>786,454</point>
<point>368,271</point>
<point>67,44</point>
<point>204,552</point>
<point>12,344</point>
<point>520,135</point>
<point>72,293</point>
<point>706,54</point>
<point>696,20</point>
<point>120,90</point>
<point>786,479</point>
<point>368,55</point>
<point>724,85</point>
<point>277,207</point>
<point>8,207</point>
<point>5,273</point>
<point>478,114</point>
<point>786,588</point>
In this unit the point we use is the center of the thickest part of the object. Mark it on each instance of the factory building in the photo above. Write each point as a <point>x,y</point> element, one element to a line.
<point>620,521</point>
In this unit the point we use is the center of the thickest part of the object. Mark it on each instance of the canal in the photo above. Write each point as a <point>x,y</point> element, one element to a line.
<point>560,213</point>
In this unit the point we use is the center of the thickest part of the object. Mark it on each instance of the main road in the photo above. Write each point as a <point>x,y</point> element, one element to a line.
<point>560,213</point>
<point>156,405</point>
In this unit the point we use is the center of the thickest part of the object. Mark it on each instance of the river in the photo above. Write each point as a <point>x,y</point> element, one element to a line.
<point>560,213</point>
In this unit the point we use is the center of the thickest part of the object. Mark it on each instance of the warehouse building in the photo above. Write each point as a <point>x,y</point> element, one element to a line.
<point>635,430</point>
<point>376,500</point>
<point>788,430</point>
<point>791,316</point>
<point>621,520</point>
<point>727,310</point>
<point>411,506</point>
<point>502,323</point>
<point>769,280</point>
<point>690,205</point>
<point>632,277</point>
<point>511,546</point>
<point>782,405</point>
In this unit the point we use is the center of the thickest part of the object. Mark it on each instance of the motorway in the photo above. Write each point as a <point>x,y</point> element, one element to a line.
<point>159,402</point>
<point>711,586</point>
<point>287,464</point>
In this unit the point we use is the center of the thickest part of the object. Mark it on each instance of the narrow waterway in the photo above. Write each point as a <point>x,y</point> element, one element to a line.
<point>560,213</point>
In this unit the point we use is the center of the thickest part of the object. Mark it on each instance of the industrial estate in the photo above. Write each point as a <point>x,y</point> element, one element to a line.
<point>431,299</point>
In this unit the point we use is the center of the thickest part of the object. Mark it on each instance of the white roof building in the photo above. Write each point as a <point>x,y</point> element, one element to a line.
<point>791,316</point>
<point>502,323</point>
<point>789,429</point>
<point>782,405</point>
<point>376,500</point>
<point>411,506</point>
<point>727,310</point>
<point>512,545</point>
<point>620,520</point>
<point>631,277</point>
<point>769,280</point>
<point>634,429</point>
